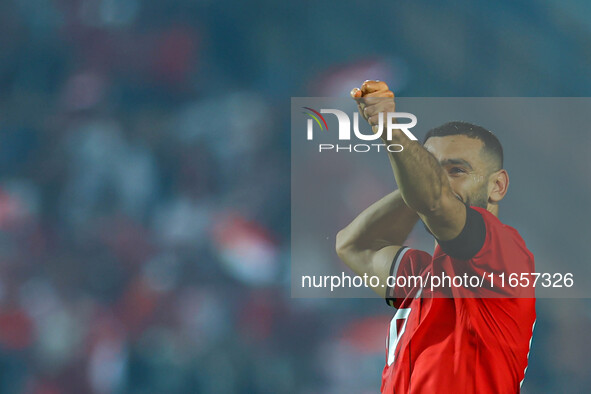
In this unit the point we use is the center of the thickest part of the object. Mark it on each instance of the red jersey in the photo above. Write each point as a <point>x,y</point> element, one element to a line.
<point>461,340</point>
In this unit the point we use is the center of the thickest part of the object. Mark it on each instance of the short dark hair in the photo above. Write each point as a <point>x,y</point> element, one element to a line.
<point>491,143</point>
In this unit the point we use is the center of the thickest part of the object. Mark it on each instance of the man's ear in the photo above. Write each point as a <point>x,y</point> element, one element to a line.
<point>498,186</point>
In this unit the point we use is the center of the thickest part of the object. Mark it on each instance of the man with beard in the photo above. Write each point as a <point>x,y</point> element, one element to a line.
<point>448,339</point>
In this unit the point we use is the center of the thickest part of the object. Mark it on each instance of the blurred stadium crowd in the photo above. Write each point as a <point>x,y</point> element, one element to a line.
<point>144,200</point>
<point>135,209</point>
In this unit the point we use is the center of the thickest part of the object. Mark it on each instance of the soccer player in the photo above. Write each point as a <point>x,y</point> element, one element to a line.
<point>445,339</point>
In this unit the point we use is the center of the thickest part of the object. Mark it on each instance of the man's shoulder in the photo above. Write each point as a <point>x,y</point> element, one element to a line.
<point>494,222</point>
<point>501,232</point>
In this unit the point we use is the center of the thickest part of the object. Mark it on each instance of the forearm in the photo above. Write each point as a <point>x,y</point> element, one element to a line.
<point>419,176</point>
<point>423,183</point>
<point>386,222</point>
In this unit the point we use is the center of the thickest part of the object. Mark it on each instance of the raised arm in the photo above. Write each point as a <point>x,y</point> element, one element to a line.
<point>423,183</point>
<point>370,242</point>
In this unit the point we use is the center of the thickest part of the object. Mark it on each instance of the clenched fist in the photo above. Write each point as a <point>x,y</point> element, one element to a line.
<point>374,98</point>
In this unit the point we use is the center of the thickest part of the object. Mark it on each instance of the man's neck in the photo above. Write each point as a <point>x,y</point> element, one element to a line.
<point>493,208</point>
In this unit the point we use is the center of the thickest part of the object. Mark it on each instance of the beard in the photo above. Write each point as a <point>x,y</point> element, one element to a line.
<point>479,198</point>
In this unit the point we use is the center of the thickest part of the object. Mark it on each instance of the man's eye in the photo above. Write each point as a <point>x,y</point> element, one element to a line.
<point>456,170</point>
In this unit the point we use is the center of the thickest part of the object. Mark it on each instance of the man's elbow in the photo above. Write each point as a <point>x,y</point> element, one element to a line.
<point>430,203</point>
<point>425,207</point>
<point>342,244</point>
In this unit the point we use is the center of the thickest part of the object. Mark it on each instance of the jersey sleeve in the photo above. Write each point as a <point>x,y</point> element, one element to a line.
<point>408,263</point>
<point>470,240</point>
